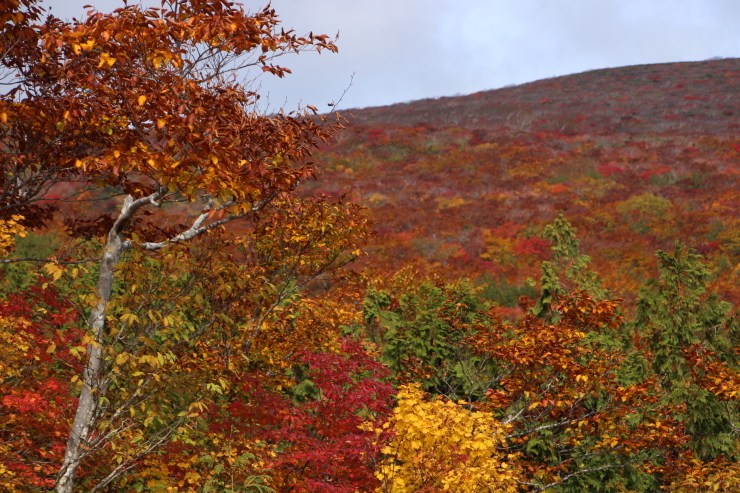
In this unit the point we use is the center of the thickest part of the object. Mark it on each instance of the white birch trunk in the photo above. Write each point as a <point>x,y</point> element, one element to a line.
<point>87,406</point>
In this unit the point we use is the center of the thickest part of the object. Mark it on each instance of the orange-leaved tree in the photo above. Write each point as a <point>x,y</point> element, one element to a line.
<point>199,237</point>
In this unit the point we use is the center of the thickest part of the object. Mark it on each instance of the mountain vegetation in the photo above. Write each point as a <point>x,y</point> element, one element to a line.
<point>521,290</point>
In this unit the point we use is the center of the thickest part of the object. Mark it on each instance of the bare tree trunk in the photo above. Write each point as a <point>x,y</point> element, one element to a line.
<point>91,381</point>
<point>84,422</point>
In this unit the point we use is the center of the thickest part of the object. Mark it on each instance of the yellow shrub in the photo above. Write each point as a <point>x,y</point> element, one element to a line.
<point>442,446</point>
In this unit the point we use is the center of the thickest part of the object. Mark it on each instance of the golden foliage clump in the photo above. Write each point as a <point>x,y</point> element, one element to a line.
<point>9,229</point>
<point>229,464</point>
<point>719,476</point>
<point>16,344</point>
<point>439,445</point>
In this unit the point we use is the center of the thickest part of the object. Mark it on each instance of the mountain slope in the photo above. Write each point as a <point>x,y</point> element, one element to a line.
<point>636,157</point>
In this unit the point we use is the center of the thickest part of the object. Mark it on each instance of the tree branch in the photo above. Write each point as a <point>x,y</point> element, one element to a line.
<point>48,260</point>
<point>198,228</point>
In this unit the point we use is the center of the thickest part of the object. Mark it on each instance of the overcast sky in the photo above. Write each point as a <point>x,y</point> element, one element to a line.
<point>403,50</point>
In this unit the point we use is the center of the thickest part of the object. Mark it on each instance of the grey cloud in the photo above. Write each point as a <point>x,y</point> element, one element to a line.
<point>411,49</point>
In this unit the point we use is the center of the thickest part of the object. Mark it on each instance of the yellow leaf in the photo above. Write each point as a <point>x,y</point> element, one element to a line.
<point>142,100</point>
<point>4,117</point>
<point>161,122</point>
<point>106,59</point>
<point>55,270</point>
<point>117,154</point>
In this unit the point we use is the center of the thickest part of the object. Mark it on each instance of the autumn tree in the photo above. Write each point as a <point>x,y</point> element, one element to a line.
<point>35,386</point>
<point>692,338</point>
<point>568,271</point>
<point>421,333</point>
<point>142,109</point>
<point>440,445</point>
<point>315,434</point>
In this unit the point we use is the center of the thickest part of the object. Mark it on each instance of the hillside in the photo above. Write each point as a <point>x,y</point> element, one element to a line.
<point>635,157</point>
<point>632,100</point>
